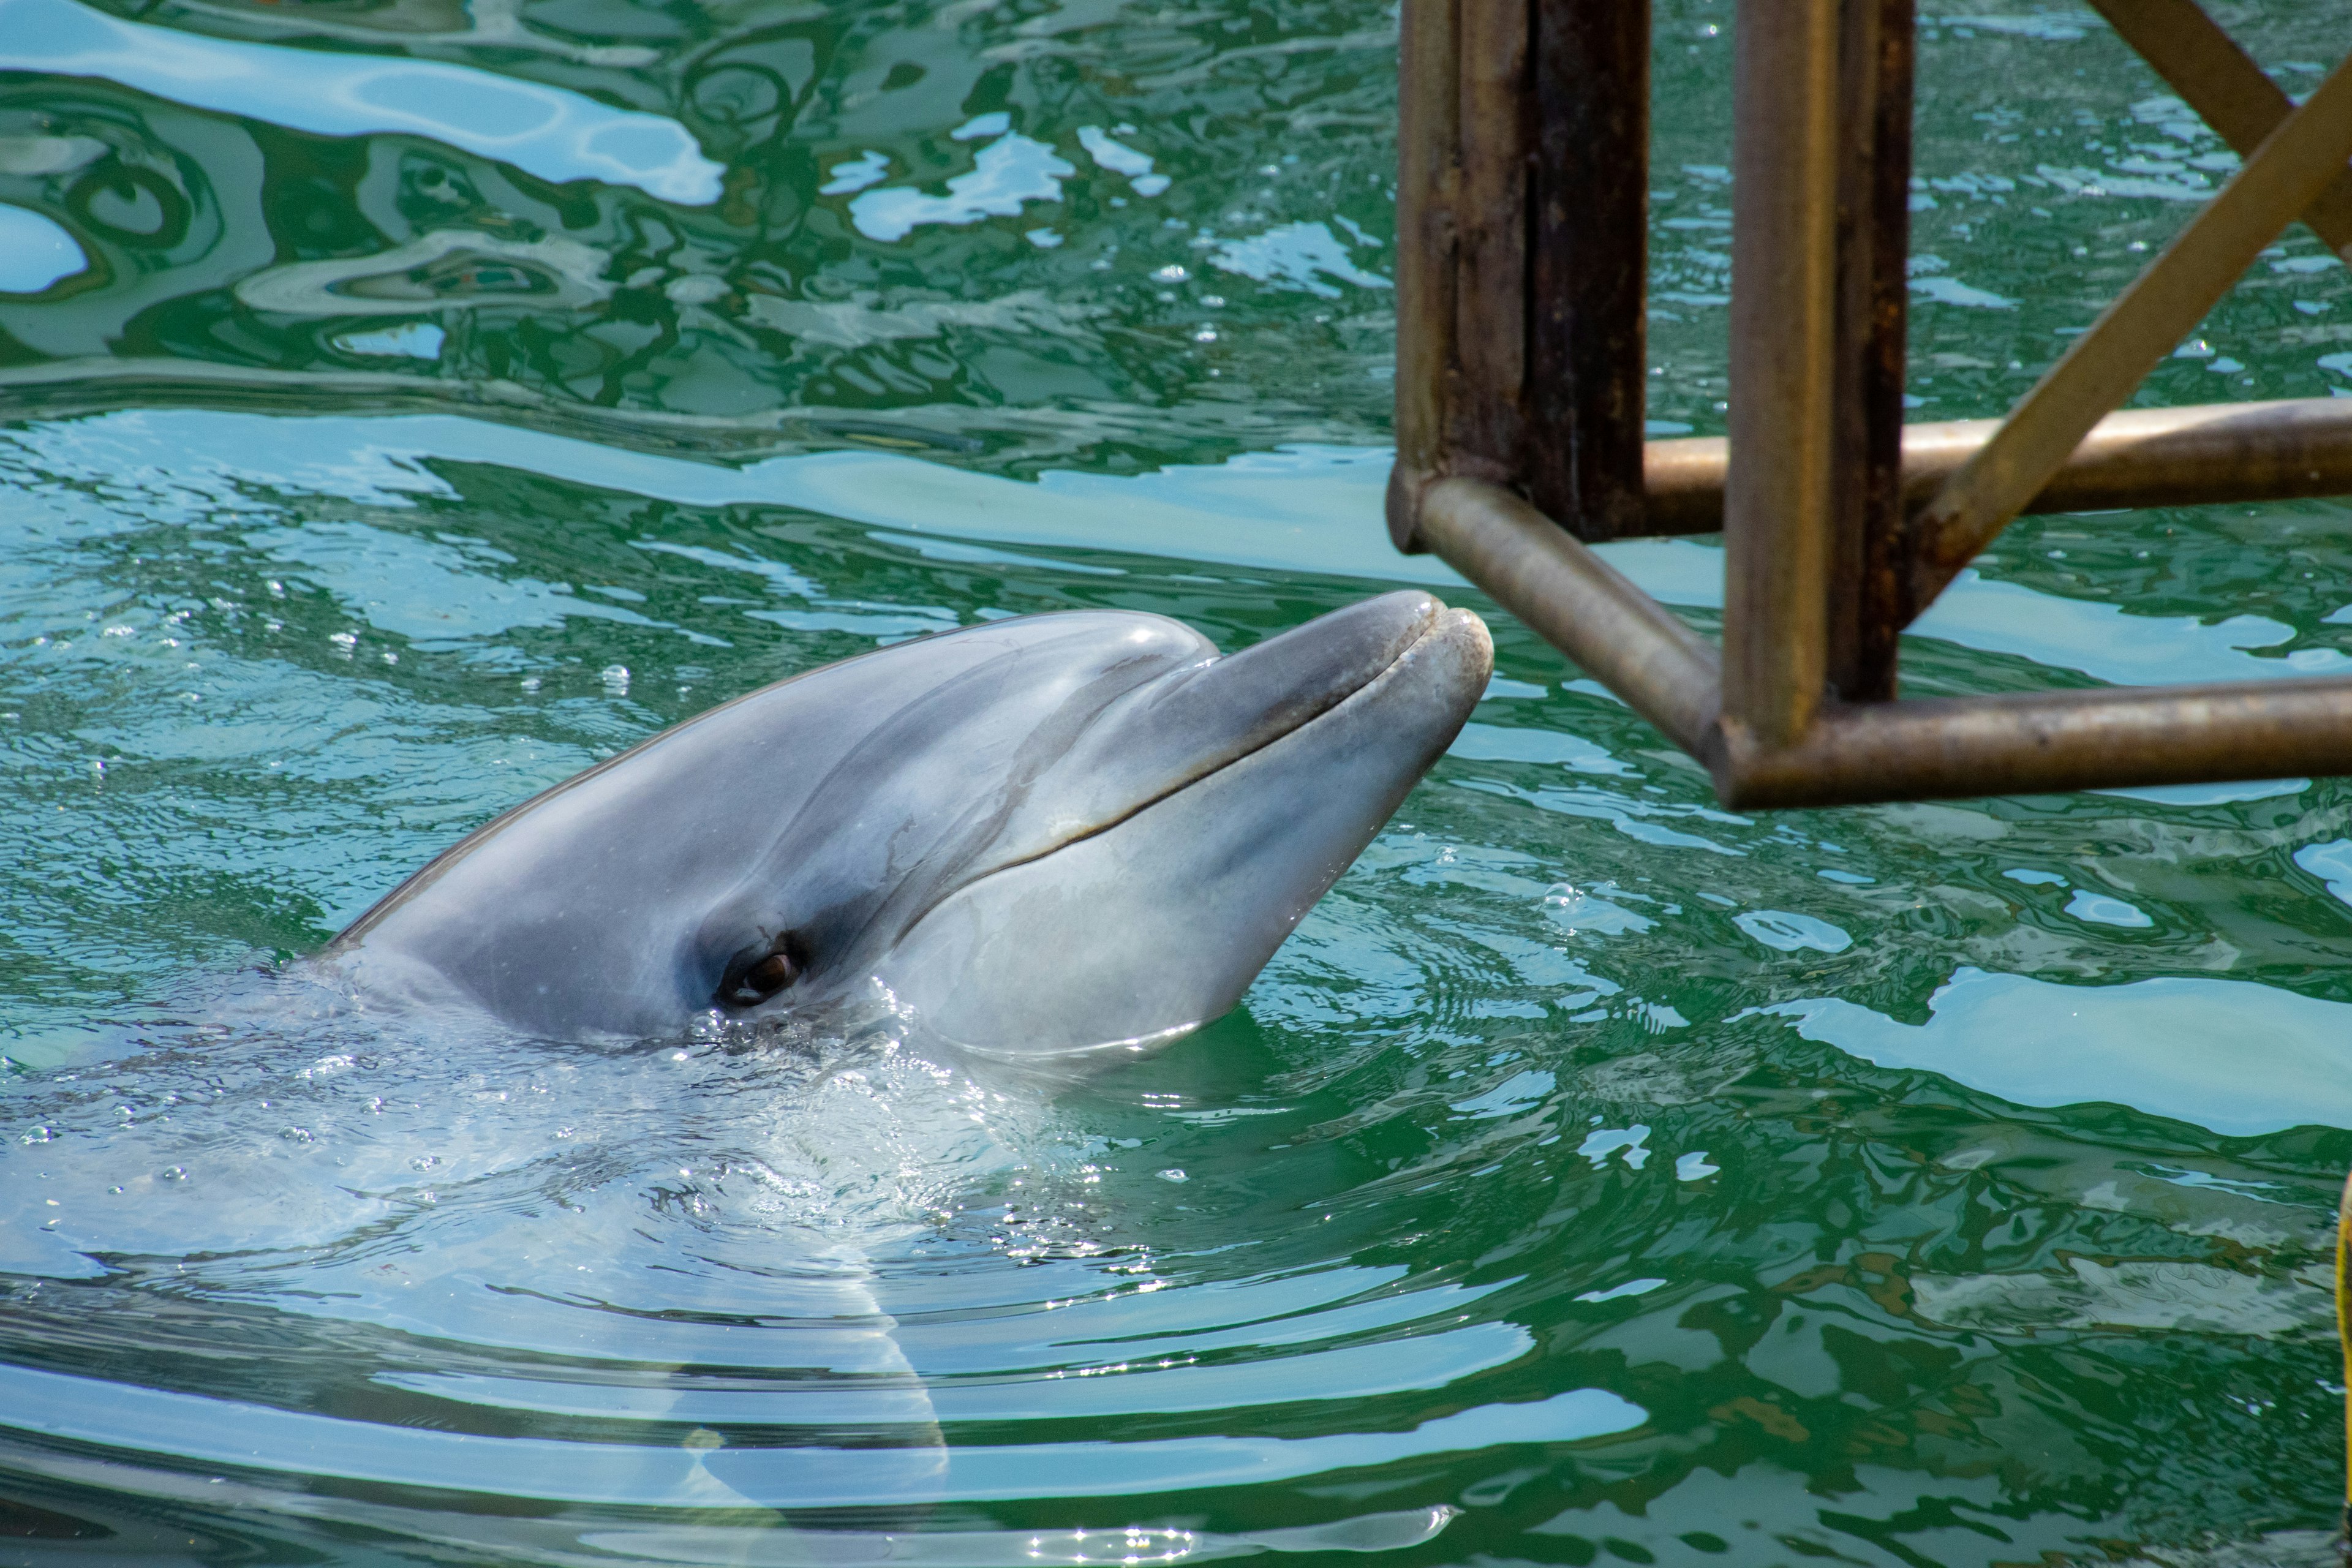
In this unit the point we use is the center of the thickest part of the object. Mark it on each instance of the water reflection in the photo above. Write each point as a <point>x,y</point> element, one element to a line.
<point>1596,1174</point>
<point>554,135</point>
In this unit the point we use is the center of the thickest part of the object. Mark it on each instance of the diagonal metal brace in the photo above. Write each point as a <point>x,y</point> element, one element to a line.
<point>2162,306</point>
<point>2222,82</point>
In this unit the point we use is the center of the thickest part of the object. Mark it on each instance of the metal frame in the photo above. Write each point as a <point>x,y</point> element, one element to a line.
<point>1522,218</point>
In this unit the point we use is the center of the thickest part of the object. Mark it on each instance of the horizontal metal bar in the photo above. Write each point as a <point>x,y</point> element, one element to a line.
<point>1854,753</point>
<point>2047,741</point>
<point>2132,336</point>
<point>2146,457</point>
<point>1578,603</point>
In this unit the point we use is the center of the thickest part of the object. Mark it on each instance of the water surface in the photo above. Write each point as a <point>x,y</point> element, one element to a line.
<point>409,403</point>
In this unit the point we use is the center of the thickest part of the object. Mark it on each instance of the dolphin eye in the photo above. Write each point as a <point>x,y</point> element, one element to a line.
<point>759,974</point>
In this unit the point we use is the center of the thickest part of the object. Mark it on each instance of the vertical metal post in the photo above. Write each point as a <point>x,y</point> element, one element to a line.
<point>1487,421</point>
<point>1777,513</point>
<point>1869,576</point>
<point>1589,204</point>
<point>1428,149</point>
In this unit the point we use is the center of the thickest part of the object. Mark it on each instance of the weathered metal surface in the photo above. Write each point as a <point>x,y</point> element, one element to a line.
<point>2220,81</point>
<point>1521,214</point>
<point>1484,418</point>
<point>1777,500</point>
<point>1869,540</point>
<point>2046,741</point>
<point>1857,752</point>
<point>1428,89</point>
<point>1578,603</point>
<point>2162,306</point>
<point>1589,206</point>
<point>2141,458</point>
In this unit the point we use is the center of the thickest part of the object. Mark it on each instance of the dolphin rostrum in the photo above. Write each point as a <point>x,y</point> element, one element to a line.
<point>1037,836</point>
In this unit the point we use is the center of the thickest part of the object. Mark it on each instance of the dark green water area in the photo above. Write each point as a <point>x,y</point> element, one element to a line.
<point>405,404</point>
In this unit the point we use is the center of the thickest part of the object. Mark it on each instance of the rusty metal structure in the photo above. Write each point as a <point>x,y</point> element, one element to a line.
<point>1522,218</point>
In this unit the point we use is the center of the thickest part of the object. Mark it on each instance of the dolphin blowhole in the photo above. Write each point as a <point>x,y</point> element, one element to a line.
<point>1039,837</point>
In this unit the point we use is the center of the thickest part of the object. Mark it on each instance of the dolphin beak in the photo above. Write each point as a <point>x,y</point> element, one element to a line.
<point>1295,677</point>
<point>1244,787</point>
<point>1170,733</point>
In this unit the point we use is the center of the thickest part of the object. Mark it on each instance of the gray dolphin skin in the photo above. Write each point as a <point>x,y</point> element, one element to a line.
<point>1048,835</point>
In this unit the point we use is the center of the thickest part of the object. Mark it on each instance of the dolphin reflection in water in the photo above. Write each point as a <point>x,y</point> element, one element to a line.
<point>1040,837</point>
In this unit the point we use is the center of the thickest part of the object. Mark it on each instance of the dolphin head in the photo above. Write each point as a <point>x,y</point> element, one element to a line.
<point>1042,835</point>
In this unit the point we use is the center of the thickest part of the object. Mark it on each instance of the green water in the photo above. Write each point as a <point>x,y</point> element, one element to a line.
<point>1596,1176</point>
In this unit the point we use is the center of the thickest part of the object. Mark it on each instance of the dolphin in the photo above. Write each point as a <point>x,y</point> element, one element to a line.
<point>1044,835</point>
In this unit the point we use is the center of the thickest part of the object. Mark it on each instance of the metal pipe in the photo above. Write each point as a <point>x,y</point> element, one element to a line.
<point>2162,306</point>
<point>2047,741</point>
<point>1485,423</point>
<point>1589,225</point>
<point>1429,109</point>
<point>1578,603</point>
<point>1870,555</point>
<point>1777,509</point>
<point>2146,457</point>
<point>2220,81</point>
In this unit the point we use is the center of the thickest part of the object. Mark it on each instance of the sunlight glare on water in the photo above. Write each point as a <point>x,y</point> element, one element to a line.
<point>406,403</point>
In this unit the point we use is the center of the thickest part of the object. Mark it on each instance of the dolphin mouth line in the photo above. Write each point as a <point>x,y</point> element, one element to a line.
<point>1432,622</point>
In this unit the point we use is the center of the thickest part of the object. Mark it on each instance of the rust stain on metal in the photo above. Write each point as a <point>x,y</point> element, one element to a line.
<point>1522,210</point>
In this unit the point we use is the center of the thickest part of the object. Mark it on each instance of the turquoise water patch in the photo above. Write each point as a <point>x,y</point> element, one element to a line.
<point>1306,256</point>
<point>1789,932</point>
<point>447,396</point>
<point>2100,910</point>
<point>34,252</point>
<point>553,133</point>
<point>2332,863</point>
<point>1005,176</point>
<point>2231,1056</point>
<point>418,340</point>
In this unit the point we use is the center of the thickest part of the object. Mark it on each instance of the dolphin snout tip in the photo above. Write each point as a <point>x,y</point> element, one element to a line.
<point>1463,635</point>
<point>1468,625</point>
